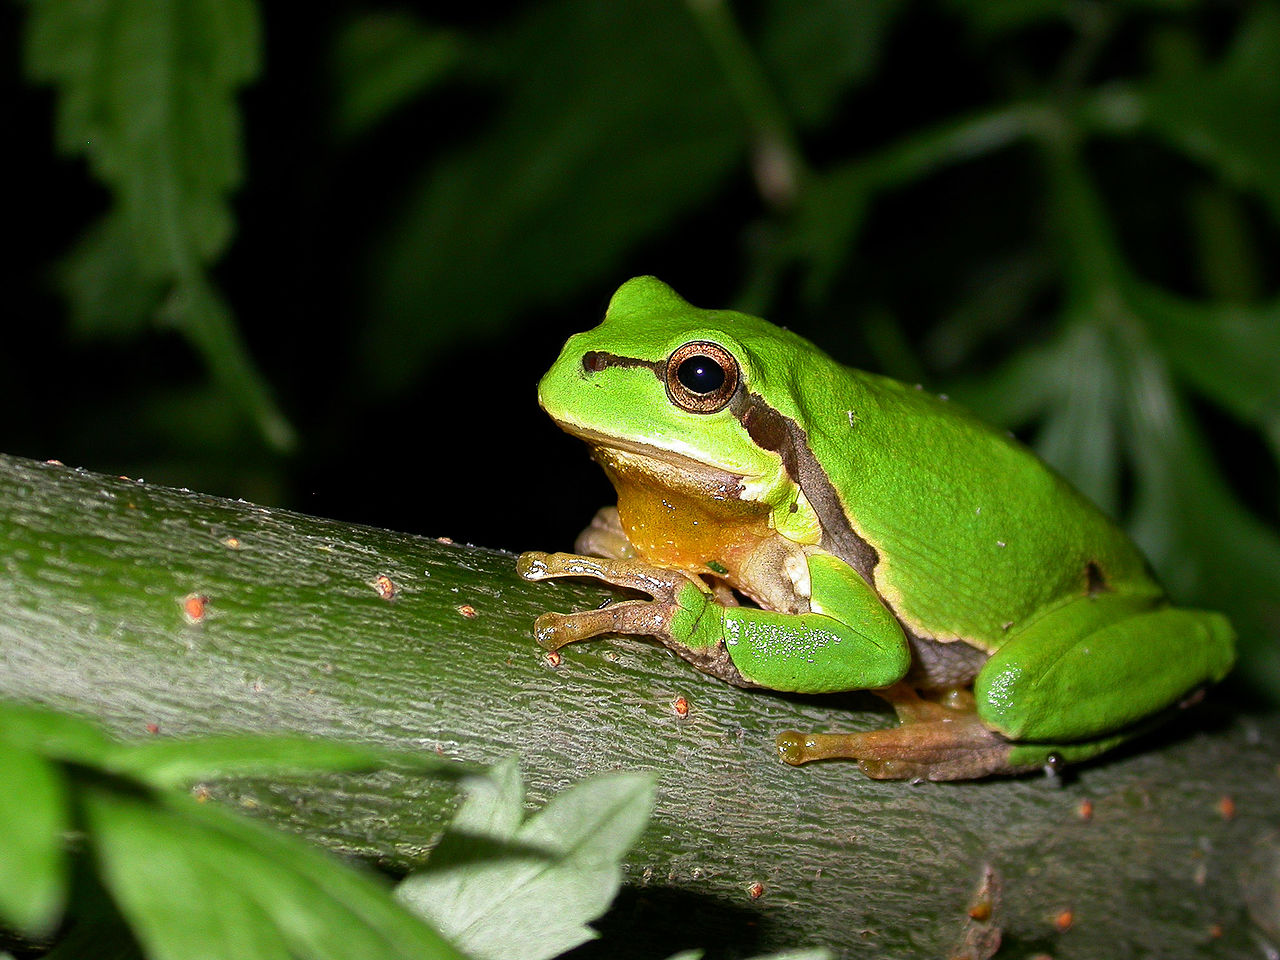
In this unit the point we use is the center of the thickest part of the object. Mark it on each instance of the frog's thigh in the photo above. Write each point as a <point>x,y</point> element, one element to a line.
<point>1097,664</point>
<point>850,642</point>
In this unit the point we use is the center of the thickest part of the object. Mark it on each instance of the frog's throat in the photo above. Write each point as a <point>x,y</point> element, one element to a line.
<point>769,430</point>
<point>667,468</point>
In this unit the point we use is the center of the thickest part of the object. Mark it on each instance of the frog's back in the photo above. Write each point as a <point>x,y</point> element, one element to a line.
<point>974,533</point>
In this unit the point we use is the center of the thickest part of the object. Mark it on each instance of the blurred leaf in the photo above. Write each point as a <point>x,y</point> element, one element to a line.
<point>150,862</point>
<point>175,763</point>
<point>599,145</point>
<point>996,302</point>
<point>562,871</point>
<point>1227,115</point>
<point>999,16</point>
<point>382,60</point>
<point>832,208</point>
<point>1002,16</point>
<point>1017,391</point>
<point>57,736</point>
<point>1230,352</point>
<point>817,52</point>
<point>1206,547</point>
<point>192,880</point>
<point>1078,432</point>
<point>108,293</point>
<point>33,820</point>
<point>1069,388</point>
<point>199,311</point>
<point>1229,264</point>
<point>833,205</point>
<point>146,92</point>
<point>323,908</point>
<point>198,881</point>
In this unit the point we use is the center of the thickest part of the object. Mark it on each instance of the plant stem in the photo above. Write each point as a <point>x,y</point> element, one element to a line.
<point>777,161</point>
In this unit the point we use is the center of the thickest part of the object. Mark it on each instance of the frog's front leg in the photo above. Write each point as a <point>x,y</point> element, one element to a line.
<point>682,615</point>
<point>809,652</point>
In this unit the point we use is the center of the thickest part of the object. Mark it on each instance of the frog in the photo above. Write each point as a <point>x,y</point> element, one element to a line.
<point>791,524</point>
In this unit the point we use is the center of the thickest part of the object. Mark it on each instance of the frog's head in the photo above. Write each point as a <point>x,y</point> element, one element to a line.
<point>690,396</point>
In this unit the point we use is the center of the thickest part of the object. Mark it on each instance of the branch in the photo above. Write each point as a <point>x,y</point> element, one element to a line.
<point>165,612</point>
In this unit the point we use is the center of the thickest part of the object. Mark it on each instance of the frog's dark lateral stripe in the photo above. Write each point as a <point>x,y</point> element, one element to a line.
<point>771,430</point>
<point>593,361</point>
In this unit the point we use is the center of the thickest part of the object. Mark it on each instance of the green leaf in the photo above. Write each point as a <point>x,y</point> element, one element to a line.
<point>1069,387</point>
<point>562,869</point>
<point>819,51</point>
<point>147,94</point>
<point>109,294</point>
<point>1002,16</point>
<point>319,903</point>
<point>998,16</point>
<point>830,215</point>
<point>34,817</point>
<point>55,735</point>
<point>1230,352</point>
<point>381,61</point>
<point>1227,115</point>
<point>198,310</point>
<point>146,91</point>
<point>199,881</point>
<point>1078,433</point>
<point>1205,546</point>
<point>613,122</point>
<point>176,763</point>
<point>1017,391</point>
<point>153,866</point>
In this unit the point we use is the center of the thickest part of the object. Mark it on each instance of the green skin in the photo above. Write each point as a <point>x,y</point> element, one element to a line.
<point>891,541</point>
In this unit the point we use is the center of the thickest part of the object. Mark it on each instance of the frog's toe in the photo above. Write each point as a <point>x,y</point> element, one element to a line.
<point>532,565</point>
<point>950,749</point>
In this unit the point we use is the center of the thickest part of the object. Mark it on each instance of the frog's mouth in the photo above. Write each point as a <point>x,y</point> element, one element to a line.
<point>643,464</point>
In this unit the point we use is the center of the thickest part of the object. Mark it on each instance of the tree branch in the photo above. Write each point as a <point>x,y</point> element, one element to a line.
<point>160,610</point>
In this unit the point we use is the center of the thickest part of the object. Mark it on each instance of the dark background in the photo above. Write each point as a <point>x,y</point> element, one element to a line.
<point>1063,213</point>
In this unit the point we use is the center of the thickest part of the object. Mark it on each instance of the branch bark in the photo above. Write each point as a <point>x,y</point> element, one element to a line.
<point>744,854</point>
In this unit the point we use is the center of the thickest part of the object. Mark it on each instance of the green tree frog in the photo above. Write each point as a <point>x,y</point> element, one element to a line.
<point>881,538</point>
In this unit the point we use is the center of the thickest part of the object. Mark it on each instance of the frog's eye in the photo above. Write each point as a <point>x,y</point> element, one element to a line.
<point>702,377</point>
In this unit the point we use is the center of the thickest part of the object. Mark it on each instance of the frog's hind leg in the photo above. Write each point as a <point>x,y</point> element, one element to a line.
<point>1074,683</point>
<point>1100,665</point>
<point>935,741</point>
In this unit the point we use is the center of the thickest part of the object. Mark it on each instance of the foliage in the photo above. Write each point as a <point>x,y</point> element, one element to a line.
<point>1064,212</point>
<point>506,888</point>
<point>192,879</point>
<point>156,870</point>
<point>189,878</point>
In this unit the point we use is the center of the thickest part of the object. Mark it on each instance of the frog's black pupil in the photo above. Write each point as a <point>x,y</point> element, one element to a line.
<point>701,374</point>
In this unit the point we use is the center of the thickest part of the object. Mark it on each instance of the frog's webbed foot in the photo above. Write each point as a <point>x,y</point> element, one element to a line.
<point>935,741</point>
<point>642,617</point>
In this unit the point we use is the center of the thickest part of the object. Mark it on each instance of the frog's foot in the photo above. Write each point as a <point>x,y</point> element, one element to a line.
<point>935,741</point>
<point>683,615</point>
